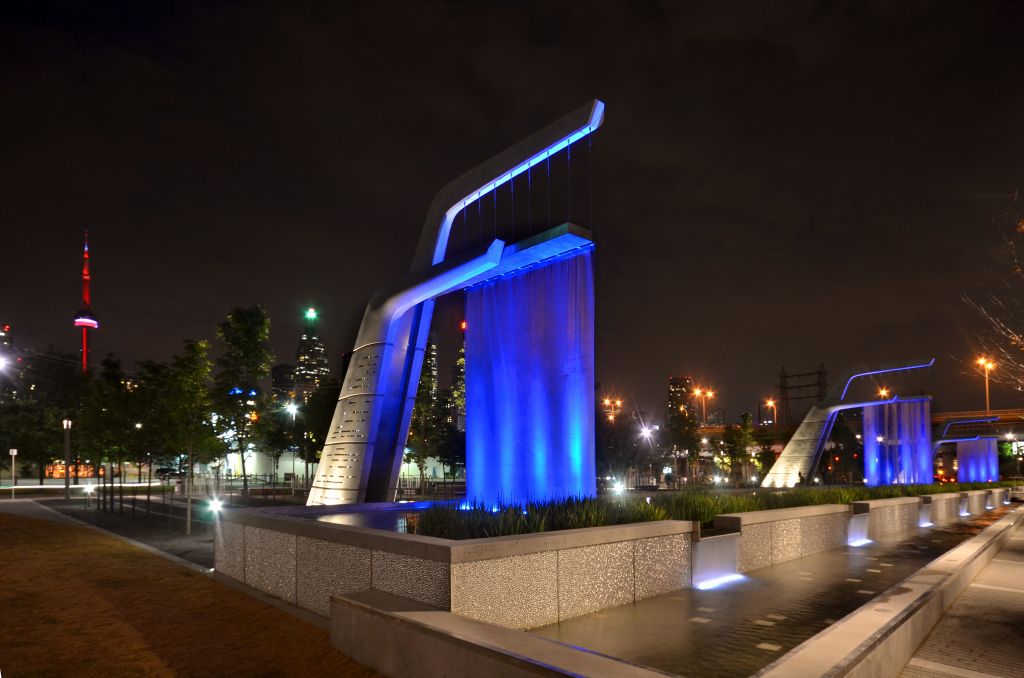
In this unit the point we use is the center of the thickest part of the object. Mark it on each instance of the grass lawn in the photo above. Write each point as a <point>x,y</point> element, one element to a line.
<point>77,603</point>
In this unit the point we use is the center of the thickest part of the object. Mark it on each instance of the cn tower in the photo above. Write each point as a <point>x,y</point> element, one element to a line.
<point>85,317</point>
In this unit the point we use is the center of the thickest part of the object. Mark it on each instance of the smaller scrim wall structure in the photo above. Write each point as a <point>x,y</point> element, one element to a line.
<point>897,443</point>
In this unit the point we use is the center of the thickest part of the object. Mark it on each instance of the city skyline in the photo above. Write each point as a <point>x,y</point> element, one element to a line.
<point>730,178</point>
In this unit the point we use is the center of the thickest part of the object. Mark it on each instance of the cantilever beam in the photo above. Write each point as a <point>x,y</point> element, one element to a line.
<point>363,451</point>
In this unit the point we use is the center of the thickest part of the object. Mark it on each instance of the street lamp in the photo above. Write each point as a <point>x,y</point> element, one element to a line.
<point>775,412</point>
<point>883,392</point>
<point>987,366</point>
<point>704,394</point>
<point>67,458</point>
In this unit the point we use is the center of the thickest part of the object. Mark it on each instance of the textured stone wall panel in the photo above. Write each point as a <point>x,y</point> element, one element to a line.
<point>229,550</point>
<point>594,578</point>
<point>786,540</point>
<point>428,581</point>
<point>755,547</point>
<point>518,592</point>
<point>662,565</point>
<point>328,569</point>
<point>270,562</point>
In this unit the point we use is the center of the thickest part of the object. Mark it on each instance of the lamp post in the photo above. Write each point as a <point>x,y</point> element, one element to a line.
<point>704,394</point>
<point>67,458</point>
<point>292,408</point>
<point>987,366</point>
<point>13,474</point>
<point>775,412</point>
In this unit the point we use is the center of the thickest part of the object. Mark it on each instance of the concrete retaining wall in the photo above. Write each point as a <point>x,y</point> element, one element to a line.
<point>944,508</point>
<point>776,536</point>
<point>521,581</point>
<point>975,501</point>
<point>890,517</point>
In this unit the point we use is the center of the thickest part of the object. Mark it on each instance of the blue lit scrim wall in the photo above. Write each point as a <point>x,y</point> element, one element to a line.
<point>977,461</point>
<point>530,383</point>
<point>897,443</point>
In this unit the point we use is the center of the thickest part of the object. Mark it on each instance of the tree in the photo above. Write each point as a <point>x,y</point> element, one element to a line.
<point>187,408</point>
<point>738,440</point>
<point>764,445</point>
<point>681,435</point>
<point>1001,310</point>
<point>243,364</point>
<point>107,422</point>
<point>421,435</point>
<point>315,421</point>
<point>51,387</point>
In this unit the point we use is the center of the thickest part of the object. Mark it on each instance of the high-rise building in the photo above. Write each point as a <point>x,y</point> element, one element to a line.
<point>311,368</point>
<point>716,417</point>
<point>282,381</point>
<point>681,396</point>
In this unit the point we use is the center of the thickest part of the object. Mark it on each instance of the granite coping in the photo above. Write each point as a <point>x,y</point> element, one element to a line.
<point>974,493</point>
<point>943,496</point>
<point>452,550</point>
<point>872,504</point>
<point>773,515</point>
<point>488,548</point>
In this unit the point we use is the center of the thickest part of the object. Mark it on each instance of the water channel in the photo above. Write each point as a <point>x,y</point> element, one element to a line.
<point>739,628</point>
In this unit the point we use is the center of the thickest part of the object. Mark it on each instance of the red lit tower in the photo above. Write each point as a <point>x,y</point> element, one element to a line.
<point>85,317</point>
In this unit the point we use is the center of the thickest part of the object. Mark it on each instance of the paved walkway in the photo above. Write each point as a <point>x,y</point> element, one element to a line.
<point>28,508</point>
<point>982,633</point>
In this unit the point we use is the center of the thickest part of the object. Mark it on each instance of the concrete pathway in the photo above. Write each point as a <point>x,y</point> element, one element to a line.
<point>982,634</point>
<point>28,508</point>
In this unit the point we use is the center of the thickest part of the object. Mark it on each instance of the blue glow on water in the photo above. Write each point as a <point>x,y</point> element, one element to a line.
<point>530,384</point>
<point>718,581</point>
<point>977,461</point>
<point>897,443</point>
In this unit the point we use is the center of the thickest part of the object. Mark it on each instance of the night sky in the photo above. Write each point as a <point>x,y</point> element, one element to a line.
<point>776,184</point>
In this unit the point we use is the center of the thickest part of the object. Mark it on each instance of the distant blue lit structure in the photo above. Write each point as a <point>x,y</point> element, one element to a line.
<point>977,461</point>
<point>530,383</point>
<point>897,442</point>
<point>904,453</point>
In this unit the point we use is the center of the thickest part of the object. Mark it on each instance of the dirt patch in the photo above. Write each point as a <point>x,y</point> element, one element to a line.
<point>74,602</point>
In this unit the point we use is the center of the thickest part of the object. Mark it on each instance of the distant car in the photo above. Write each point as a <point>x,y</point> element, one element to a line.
<point>165,473</point>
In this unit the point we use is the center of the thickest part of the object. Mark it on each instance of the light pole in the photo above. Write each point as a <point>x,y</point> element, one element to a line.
<point>13,474</point>
<point>704,394</point>
<point>292,408</point>
<point>775,413</point>
<point>67,458</point>
<point>987,366</point>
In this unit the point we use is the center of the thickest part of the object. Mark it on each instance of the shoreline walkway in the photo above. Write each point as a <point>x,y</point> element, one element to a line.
<point>982,634</point>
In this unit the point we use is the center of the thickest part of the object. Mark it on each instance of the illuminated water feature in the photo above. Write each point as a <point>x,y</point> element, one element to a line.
<point>530,383</point>
<point>978,461</point>
<point>897,443</point>
<point>738,628</point>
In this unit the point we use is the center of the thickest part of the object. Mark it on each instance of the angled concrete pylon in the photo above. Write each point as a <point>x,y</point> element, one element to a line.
<point>363,452</point>
<point>803,451</point>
